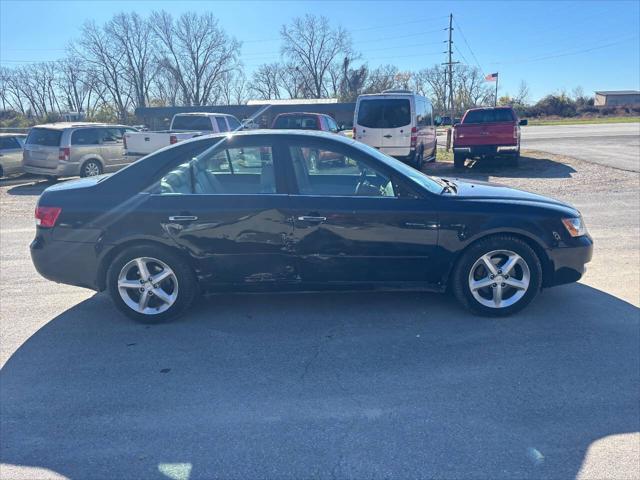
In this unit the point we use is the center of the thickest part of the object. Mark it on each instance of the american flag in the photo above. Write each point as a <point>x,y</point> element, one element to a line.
<point>492,77</point>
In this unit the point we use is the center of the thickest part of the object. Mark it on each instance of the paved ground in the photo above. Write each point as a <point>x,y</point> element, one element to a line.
<point>332,386</point>
<point>615,144</point>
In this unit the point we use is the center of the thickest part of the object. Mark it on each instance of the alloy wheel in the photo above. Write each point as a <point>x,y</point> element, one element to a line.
<point>91,169</point>
<point>499,279</point>
<point>148,285</point>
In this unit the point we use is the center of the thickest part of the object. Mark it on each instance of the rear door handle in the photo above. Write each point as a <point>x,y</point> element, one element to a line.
<point>183,218</point>
<point>388,136</point>
<point>311,219</point>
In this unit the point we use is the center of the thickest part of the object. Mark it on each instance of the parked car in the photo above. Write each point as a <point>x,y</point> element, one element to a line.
<point>487,132</point>
<point>11,145</point>
<point>311,121</point>
<point>183,126</point>
<point>398,123</point>
<point>70,149</point>
<point>305,121</point>
<point>248,212</point>
<point>446,121</point>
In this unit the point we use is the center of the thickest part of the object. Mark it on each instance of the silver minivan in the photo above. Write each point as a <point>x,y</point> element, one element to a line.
<point>69,149</point>
<point>10,153</point>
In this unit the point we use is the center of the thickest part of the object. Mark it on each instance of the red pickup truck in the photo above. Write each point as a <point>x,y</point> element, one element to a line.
<point>487,132</point>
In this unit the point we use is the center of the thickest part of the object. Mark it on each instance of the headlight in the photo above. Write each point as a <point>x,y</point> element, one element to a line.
<point>575,226</point>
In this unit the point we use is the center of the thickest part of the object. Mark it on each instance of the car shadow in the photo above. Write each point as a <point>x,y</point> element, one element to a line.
<point>27,185</point>
<point>483,169</point>
<point>365,385</point>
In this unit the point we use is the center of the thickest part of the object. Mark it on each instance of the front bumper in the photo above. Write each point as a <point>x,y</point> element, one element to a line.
<point>568,262</point>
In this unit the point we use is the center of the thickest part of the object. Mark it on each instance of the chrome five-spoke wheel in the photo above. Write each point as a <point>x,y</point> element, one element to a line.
<point>499,279</point>
<point>148,285</point>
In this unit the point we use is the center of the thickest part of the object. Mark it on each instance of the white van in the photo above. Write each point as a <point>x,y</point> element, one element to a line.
<point>398,123</point>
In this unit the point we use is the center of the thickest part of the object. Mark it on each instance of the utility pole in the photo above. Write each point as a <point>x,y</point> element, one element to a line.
<point>450,64</point>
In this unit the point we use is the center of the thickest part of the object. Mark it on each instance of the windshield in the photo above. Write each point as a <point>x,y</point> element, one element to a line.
<point>44,137</point>
<point>192,122</point>
<point>384,113</point>
<point>423,180</point>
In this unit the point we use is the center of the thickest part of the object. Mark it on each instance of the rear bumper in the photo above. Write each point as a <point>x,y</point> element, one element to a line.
<point>73,263</point>
<point>481,150</point>
<point>62,169</point>
<point>569,262</point>
<point>397,152</point>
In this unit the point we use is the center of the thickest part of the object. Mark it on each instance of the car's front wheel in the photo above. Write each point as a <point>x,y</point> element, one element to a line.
<point>151,284</point>
<point>497,276</point>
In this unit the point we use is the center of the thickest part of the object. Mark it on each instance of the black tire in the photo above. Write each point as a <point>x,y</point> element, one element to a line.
<point>187,283</point>
<point>515,159</point>
<point>1,172</point>
<point>462,271</point>
<point>458,160</point>
<point>419,158</point>
<point>89,167</point>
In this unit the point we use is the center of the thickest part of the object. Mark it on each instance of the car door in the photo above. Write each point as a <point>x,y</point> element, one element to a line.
<point>397,121</point>
<point>112,148</point>
<point>10,155</point>
<point>357,221</point>
<point>228,209</point>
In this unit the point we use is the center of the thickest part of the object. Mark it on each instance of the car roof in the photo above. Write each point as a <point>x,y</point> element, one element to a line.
<point>65,125</point>
<point>288,114</point>
<point>207,114</point>
<point>276,132</point>
<point>8,134</point>
<point>502,107</point>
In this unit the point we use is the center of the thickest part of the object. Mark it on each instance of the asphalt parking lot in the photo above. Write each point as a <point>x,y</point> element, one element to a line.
<point>332,385</point>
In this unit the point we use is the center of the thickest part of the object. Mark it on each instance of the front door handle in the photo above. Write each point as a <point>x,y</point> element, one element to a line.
<point>388,136</point>
<point>306,218</point>
<point>183,218</point>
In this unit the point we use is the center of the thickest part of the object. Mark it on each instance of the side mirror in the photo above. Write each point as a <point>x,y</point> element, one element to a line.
<point>523,122</point>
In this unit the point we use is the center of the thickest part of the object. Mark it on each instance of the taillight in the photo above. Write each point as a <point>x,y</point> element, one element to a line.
<point>354,132</point>
<point>47,216</point>
<point>64,153</point>
<point>173,139</point>
<point>516,131</point>
<point>124,141</point>
<point>414,137</point>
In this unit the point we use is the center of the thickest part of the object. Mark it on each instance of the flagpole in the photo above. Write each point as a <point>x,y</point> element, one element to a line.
<point>495,100</point>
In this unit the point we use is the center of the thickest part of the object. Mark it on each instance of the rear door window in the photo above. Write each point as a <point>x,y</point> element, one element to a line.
<point>222,124</point>
<point>44,137</point>
<point>192,122</point>
<point>86,136</point>
<point>112,135</point>
<point>8,143</point>
<point>297,122</point>
<point>384,113</point>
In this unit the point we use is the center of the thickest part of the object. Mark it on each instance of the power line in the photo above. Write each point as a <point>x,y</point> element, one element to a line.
<point>468,46</point>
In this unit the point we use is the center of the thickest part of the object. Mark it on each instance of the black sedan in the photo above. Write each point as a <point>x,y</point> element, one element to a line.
<point>250,211</point>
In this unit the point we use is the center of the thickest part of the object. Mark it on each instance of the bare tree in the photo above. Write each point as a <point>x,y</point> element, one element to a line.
<point>108,64</point>
<point>265,81</point>
<point>382,78</point>
<point>470,88</point>
<point>196,51</point>
<point>292,80</point>
<point>131,35</point>
<point>313,46</point>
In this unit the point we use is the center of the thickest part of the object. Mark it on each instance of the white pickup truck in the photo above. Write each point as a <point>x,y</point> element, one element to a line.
<point>183,126</point>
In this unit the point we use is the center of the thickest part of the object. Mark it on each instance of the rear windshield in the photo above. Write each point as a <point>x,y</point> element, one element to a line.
<point>44,137</point>
<point>297,122</point>
<point>489,116</point>
<point>192,122</point>
<point>384,113</point>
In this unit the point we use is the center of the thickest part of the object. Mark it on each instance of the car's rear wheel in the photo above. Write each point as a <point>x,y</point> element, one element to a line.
<point>151,284</point>
<point>497,276</point>
<point>419,159</point>
<point>458,160</point>
<point>91,168</point>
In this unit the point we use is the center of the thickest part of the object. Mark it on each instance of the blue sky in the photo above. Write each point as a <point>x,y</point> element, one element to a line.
<point>552,45</point>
